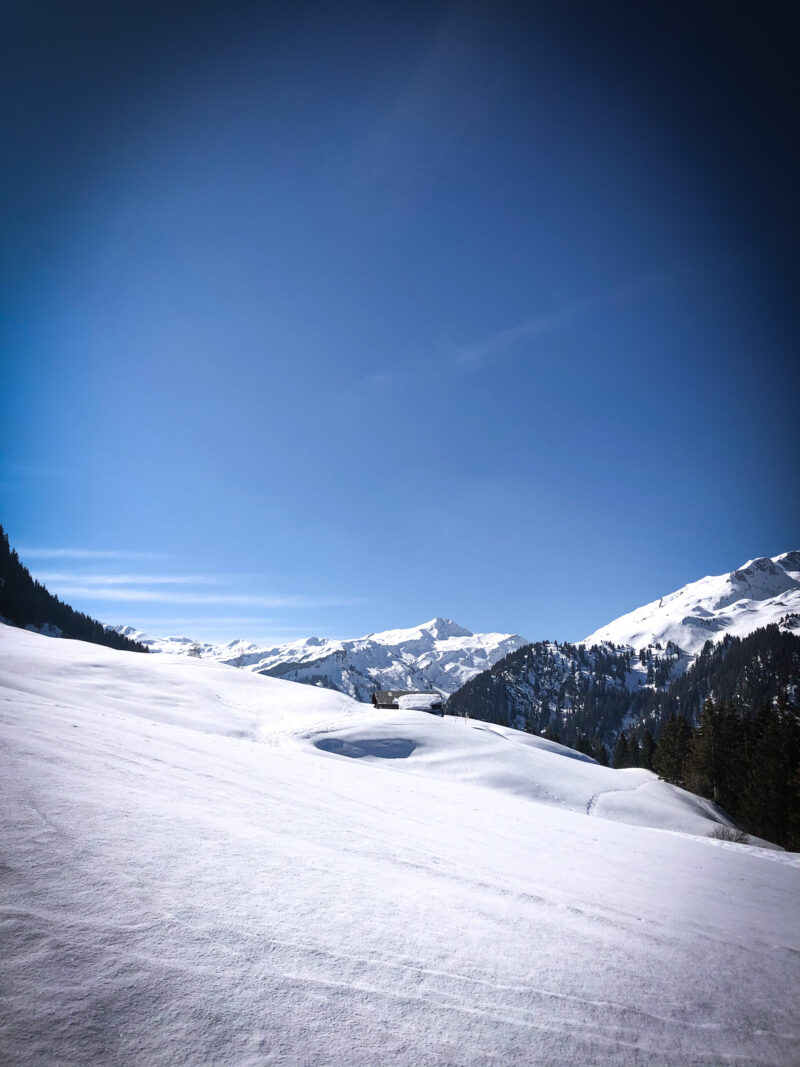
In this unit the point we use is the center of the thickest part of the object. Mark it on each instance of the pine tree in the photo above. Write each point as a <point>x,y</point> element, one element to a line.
<point>793,840</point>
<point>703,764</point>
<point>599,751</point>
<point>716,760</point>
<point>583,744</point>
<point>647,751</point>
<point>621,751</point>
<point>770,801</point>
<point>634,752</point>
<point>669,758</point>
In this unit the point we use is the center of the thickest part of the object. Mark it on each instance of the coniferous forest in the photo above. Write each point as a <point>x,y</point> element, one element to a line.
<point>26,602</point>
<point>748,764</point>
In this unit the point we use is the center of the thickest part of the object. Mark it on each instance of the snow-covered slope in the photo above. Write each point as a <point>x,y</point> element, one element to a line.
<point>205,865</point>
<point>761,592</point>
<point>438,654</point>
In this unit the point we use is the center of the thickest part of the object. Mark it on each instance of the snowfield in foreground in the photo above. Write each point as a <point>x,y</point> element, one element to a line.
<point>205,866</point>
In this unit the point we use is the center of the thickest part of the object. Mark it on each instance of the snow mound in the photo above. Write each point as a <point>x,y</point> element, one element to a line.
<point>520,764</point>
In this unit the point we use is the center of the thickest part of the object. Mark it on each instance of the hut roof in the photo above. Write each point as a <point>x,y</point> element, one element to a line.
<point>391,694</point>
<point>407,699</point>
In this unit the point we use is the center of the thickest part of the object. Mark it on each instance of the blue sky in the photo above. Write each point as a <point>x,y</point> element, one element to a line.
<point>330,322</point>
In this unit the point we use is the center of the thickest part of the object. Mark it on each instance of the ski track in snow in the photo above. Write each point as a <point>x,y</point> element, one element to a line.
<point>602,792</point>
<point>191,876</point>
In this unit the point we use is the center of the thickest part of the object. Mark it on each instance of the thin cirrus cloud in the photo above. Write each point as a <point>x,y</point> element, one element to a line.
<point>132,579</point>
<point>84,553</point>
<point>166,596</point>
<point>215,620</point>
<point>130,587</point>
<point>435,109</point>
<point>228,623</point>
<point>500,343</point>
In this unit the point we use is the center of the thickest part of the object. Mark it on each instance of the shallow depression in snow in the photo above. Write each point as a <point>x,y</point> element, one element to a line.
<point>383,747</point>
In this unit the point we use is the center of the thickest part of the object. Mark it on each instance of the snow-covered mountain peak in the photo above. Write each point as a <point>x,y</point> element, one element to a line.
<point>764,577</point>
<point>441,628</point>
<point>760,592</point>
<point>438,629</point>
<point>790,561</point>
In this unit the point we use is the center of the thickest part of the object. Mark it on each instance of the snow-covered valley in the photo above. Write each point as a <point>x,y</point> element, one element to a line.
<point>205,865</point>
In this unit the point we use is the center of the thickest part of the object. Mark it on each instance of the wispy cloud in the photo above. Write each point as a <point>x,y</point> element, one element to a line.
<point>498,344</point>
<point>27,552</point>
<point>161,596</point>
<point>29,470</point>
<point>128,587</point>
<point>264,633</point>
<point>435,106</point>
<point>379,381</point>
<point>132,579</point>
<point>243,626</point>
<point>145,621</point>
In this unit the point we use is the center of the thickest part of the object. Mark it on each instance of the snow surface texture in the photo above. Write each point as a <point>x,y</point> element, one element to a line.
<point>438,654</point>
<point>761,592</point>
<point>205,866</point>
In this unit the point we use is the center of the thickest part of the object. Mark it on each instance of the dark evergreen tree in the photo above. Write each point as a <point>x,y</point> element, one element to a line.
<point>717,754</point>
<point>599,751</point>
<point>552,735</point>
<point>770,805</point>
<point>583,744</point>
<point>704,759</point>
<point>669,758</point>
<point>634,752</point>
<point>621,752</point>
<point>793,841</point>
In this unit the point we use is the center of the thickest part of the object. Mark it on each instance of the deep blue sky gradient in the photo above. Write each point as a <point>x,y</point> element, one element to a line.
<point>336,320</point>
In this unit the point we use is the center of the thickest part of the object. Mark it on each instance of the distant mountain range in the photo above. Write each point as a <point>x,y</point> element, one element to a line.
<point>444,656</point>
<point>438,654</point>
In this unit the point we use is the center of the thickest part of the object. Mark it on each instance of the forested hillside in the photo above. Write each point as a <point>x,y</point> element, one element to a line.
<point>726,727</point>
<point>749,764</point>
<point>763,667</point>
<point>568,690</point>
<point>26,602</point>
<point>576,691</point>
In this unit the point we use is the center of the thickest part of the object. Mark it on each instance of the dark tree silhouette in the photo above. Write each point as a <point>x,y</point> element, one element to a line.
<point>26,602</point>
